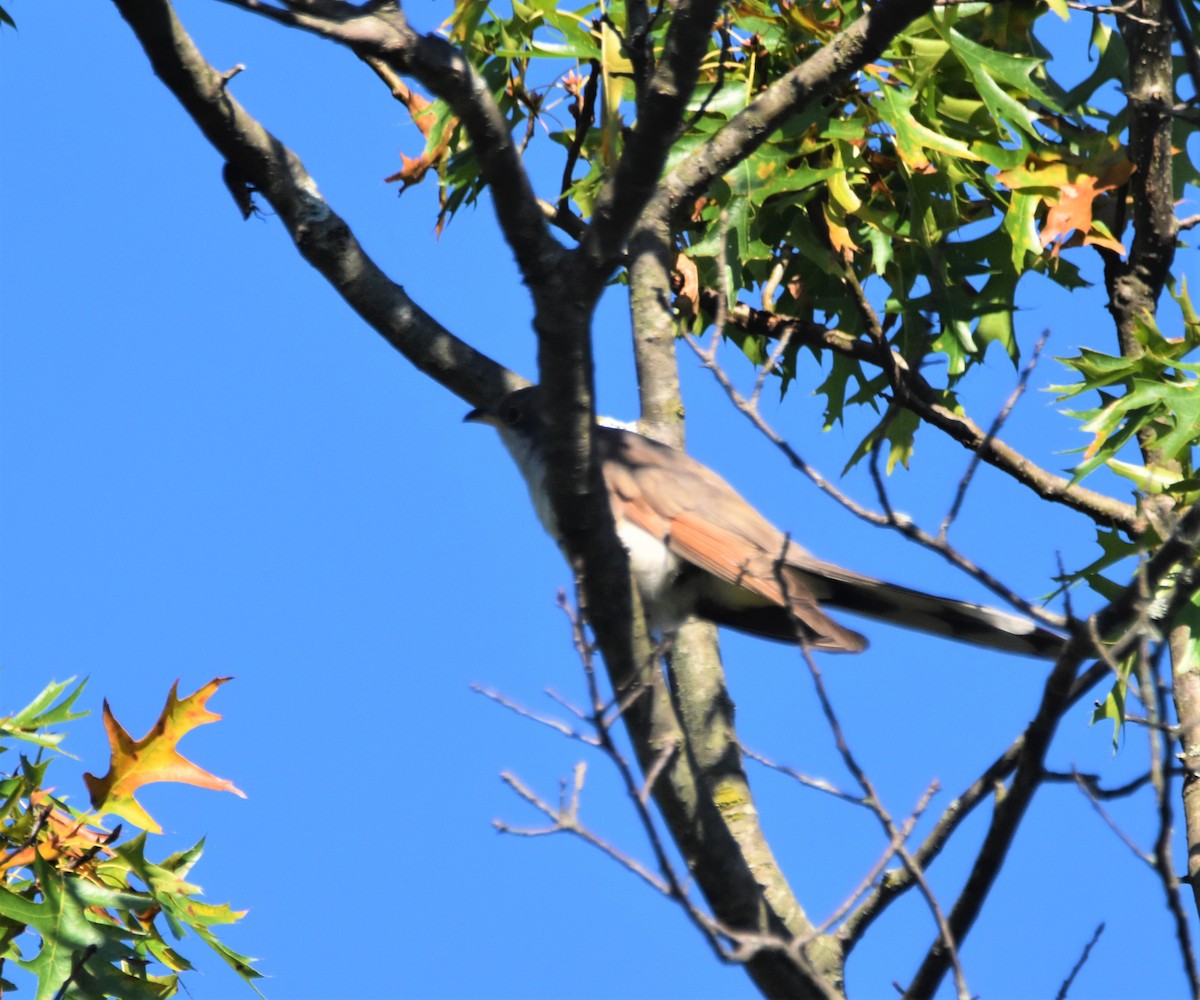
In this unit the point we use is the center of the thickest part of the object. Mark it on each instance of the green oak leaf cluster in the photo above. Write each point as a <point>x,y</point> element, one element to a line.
<point>81,909</point>
<point>937,178</point>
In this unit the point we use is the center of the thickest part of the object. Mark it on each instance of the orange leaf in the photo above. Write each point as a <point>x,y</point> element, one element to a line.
<point>412,171</point>
<point>135,763</point>
<point>62,836</point>
<point>1073,210</point>
<point>687,294</point>
<point>840,238</point>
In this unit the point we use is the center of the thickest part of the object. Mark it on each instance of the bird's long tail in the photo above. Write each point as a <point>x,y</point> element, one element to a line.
<point>973,623</point>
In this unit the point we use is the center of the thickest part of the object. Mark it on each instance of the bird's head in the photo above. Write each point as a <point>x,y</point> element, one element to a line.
<point>519,414</point>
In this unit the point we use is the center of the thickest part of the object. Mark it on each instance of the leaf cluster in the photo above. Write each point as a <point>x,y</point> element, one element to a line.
<point>937,179</point>
<point>85,912</point>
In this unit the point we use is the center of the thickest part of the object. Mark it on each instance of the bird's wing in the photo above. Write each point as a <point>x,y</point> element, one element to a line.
<point>705,522</point>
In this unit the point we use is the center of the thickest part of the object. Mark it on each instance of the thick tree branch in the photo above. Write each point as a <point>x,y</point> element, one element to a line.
<point>743,882</point>
<point>650,255</point>
<point>322,237</point>
<point>850,50</point>
<point>1134,288</point>
<point>1134,285</point>
<point>724,847</point>
<point>381,31</point>
<point>660,110</point>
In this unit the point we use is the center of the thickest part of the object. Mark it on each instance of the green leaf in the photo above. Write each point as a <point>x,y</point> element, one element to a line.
<point>912,138</point>
<point>1113,706</point>
<point>49,708</point>
<point>76,947</point>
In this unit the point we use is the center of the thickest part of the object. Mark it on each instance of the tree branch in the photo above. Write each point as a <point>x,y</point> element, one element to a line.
<point>922,399</point>
<point>381,31</point>
<point>659,112</point>
<point>845,54</point>
<point>322,237</point>
<point>1128,609</point>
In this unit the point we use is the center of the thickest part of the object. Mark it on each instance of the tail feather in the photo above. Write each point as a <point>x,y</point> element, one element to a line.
<point>962,620</point>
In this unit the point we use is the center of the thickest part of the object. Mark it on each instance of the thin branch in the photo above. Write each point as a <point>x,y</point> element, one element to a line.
<point>557,725</point>
<point>894,521</point>
<point>896,836</point>
<point>584,113</point>
<point>818,784</point>
<point>1087,950</point>
<point>567,821</point>
<point>1120,10</point>
<point>1142,856</point>
<point>660,109</point>
<point>1163,860</point>
<point>1001,417</point>
<point>923,400</point>
<point>954,815</point>
<point>1091,784</point>
<point>748,945</point>
<point>1056,699</point>
<point>1186,36</point>
<point>895,847</point>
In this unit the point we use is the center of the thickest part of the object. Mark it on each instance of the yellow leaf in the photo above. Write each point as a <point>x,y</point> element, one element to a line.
<point>153,758</point>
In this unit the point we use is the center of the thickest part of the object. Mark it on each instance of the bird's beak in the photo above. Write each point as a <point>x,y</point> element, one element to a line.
<point>480,415</point>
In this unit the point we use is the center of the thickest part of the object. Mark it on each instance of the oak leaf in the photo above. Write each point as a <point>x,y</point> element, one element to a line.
<point>135,763</point>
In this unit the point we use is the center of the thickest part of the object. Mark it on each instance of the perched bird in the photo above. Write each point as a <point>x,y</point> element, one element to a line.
<point>696,547</point>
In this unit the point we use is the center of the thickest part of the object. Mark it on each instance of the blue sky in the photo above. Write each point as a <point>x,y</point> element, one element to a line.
<point>209,466</point>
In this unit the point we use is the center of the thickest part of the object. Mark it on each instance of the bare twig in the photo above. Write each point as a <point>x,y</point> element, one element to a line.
<point>881,493</point>
<point>818,784</point>
<point>557,725</point>
<point>961,494</point>
<point>566,820</point>
<point>670,883</point>
<point>1087,950</point>
<point>896,836</point>
<point>1091,783</point>
<point>767,368</point>
<point>895,847</point>
<point>229,74</point>
<point>1122,836</point>
<point>584,113</point>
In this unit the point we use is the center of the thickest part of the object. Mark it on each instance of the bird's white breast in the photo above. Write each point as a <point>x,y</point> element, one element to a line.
<point>654,567</point>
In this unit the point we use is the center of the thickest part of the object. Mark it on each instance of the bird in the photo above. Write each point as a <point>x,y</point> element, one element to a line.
<point>697,547</point>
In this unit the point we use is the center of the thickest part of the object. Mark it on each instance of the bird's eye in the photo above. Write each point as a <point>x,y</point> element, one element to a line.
<point>511,415</point>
